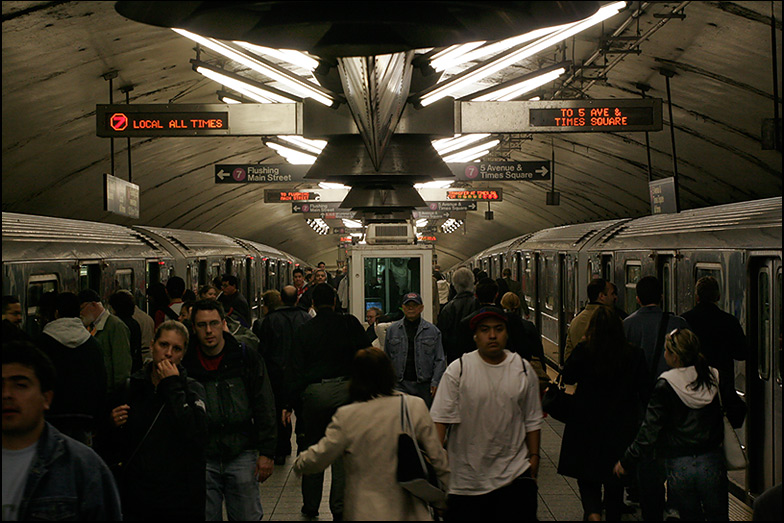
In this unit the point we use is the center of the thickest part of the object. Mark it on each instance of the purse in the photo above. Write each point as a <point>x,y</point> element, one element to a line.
<point>734,455</point>
<point>414,471</point>
<point>557,402</point>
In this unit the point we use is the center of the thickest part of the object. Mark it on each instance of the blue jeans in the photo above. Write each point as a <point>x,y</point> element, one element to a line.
<point>697,486</point>
<point>235,482</point>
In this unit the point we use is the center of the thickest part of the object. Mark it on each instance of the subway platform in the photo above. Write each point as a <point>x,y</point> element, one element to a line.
<point>559,496</point>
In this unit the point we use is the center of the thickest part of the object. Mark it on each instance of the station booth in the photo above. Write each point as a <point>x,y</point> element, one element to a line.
<point>382,274</point>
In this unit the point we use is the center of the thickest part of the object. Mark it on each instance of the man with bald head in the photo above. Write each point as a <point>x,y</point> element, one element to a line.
<point>275,339</point>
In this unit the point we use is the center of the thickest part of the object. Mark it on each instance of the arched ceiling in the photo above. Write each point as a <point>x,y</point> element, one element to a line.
<point>56,53</point>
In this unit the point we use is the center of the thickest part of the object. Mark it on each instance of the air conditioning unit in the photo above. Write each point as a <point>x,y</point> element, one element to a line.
<point>390,233</point>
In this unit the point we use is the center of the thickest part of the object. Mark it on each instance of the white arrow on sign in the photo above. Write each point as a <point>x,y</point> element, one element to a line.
<point>542,170</point>
<point>222,174</point>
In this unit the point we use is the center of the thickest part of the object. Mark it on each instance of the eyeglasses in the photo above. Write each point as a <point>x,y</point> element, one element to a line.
<point>214,324</point>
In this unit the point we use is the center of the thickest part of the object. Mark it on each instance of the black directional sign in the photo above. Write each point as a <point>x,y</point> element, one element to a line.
<point>260,173</point>
<point>528,171</point>
<point>316,207</point>
<point>457,205</point>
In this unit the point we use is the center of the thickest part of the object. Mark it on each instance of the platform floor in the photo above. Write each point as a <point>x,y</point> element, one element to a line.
<point>559,498</point>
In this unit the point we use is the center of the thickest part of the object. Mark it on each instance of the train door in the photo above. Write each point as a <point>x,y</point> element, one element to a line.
<point>37,286</point>
<point>250,288</point>
<point>765,387</point>
<point>548,280</point>
<point>665,271</point>
<point>566,296</point>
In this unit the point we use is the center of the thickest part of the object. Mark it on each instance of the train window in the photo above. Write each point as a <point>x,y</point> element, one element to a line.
<point>37,286</point>
<point>713,269</point>
<point>633,275</point>
<point>763,324</point>
<point>123,279</point>
<point>388,279</point>
<point>90,277</point>
<point>666,287</point>
<point>549,284</point>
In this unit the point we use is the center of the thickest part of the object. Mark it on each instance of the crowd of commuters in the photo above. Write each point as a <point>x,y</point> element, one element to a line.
<point>177,414</point>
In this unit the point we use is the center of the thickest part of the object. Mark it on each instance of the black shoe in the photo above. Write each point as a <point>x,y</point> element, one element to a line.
<point>280,460</point>
<point>309,513</point>
<point>628,509</point>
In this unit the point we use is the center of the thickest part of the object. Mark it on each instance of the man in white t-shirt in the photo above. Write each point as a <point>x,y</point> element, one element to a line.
<point>489,402</point>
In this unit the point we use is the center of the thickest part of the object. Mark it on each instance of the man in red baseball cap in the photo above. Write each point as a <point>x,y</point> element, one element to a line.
<point>489,399</point>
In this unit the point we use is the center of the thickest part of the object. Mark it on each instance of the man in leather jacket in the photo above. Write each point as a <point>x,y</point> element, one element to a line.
<point>463,304</point>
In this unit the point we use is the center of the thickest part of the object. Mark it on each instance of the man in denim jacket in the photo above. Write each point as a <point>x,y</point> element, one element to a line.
<point>414,346</point>
<point>46,475</point>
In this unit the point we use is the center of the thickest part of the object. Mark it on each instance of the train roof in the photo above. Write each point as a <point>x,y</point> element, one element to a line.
<point>748,225</point>
<point>567,237</point>
<point>196,243</point>
<point>28,237</point>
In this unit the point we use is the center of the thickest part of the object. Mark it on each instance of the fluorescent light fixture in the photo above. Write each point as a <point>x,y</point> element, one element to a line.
<point>421,222</point>
<point>481,71</point>
<point>352,224</point>
<point>435,184</point>
<point>332,185</point>
<point>512,90</point>
<point>299,85</point>
<point>470,154</point>
<point>250,88</point>
<point>311,146</point>
<point>290,56</point>
<point>452,55</point>
<point>459,143</point>
<point>292,156</point>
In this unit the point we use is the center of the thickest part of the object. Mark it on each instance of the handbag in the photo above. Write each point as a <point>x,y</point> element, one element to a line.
<point>557,402</point>
<point>415,473</point>
<point>734,455</point>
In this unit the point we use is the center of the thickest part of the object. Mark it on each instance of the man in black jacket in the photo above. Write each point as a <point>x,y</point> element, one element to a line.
<point>463,304</point>
<point>240,414</point>
<point>323,352</point>
<point>80,389</point>
<point>276,337</point>
<point>721,341</point>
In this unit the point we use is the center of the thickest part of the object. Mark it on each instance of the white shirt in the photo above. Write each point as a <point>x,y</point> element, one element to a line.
<point>16,465</point>
<point>491,409</point>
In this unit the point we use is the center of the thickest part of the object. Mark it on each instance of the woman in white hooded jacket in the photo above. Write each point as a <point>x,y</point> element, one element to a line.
<point>684,424</point>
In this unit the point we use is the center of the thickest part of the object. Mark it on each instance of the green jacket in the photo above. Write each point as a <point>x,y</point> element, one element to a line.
<point>114,337</point>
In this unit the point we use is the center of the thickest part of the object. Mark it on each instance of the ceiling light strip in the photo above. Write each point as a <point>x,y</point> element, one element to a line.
<point>245,86</point>
<point>301,86</point>
<point>481,71</point>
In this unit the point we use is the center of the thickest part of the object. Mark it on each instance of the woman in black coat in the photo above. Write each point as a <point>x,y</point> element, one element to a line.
<point>161,435</point>
<point>611,382</point>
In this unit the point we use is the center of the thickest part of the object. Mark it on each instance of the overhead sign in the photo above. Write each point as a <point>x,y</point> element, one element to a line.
<point>559,116</point>
<point>452,206</point>
<point>663,196</point>
<point>120,197</point>
<point>316,207</point>
<point>527,171</point>
<point>642,114</point>
<point>486,195</point>
<point>274,196</point>
<point>437,215</point>
<point>136,120</point>
<point>260,173</point>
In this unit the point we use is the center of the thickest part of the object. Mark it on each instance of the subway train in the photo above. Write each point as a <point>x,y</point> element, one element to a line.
<point>739,244</point>
<point>42,254</point>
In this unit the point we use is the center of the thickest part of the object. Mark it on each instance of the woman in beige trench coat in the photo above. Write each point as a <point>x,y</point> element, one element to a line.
<point>365,433</point>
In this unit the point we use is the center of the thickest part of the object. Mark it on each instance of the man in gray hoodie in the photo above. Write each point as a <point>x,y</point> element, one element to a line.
<point>80,388</point>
